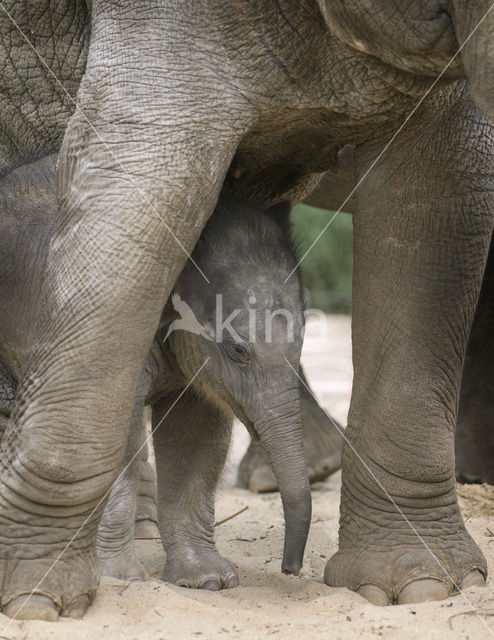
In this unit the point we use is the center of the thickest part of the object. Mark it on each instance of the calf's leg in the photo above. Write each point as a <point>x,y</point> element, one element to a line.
<point>190,444</point>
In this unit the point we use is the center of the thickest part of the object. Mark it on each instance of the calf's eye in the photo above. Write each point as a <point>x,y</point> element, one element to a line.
<point>238,352</point>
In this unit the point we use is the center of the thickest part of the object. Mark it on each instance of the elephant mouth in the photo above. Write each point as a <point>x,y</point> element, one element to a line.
<point>240,414</point>
<point>247,422</point>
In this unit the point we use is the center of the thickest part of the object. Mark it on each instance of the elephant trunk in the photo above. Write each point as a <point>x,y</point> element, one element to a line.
<point>474,26</point>
<point>281,435</point>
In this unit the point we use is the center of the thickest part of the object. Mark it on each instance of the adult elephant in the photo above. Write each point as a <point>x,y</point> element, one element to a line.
<point>173,98</point>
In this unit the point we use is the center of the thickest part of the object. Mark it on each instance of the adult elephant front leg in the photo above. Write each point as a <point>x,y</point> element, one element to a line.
<point>136,185</point>
<point>421,238</point>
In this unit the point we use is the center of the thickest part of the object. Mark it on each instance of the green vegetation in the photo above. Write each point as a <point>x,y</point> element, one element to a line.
<point>327,268</point>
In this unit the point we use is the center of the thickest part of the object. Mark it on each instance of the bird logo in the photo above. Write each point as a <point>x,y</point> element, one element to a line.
<point>187,320</point>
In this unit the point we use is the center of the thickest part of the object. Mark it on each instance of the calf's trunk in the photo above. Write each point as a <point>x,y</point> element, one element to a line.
<point>281,435</point>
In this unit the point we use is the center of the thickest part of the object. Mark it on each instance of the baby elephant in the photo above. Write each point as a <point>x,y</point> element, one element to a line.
<point>227,347</point>
<point>229,344</point>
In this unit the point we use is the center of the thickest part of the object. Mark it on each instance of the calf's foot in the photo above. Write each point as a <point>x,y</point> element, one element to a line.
<point>194,568</point>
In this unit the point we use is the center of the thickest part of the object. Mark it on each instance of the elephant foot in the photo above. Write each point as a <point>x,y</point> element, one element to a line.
<point>146,529</point>
<point>199,569</point>
<point>44,589</point>
<point>124,566</point>
<point>146,521</point>
<point>254,471</point>
<point>408,575</point>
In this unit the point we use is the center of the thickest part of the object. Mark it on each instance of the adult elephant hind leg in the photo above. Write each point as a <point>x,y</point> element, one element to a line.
<point>421,239</point>
<point>322,446</point>
<point>474,437</point>
<point>322,435</point>
<point>135,189</point>
<point>191,444</point>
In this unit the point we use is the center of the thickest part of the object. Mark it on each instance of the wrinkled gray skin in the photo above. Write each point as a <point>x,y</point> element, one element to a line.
<point>247,255</point>
<point>175,97</point>
<point>474,434</point>
<point>146,519</point>
<point>322,446</point>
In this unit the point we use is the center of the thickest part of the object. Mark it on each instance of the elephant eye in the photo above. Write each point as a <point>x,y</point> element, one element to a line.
<point>238,352</point>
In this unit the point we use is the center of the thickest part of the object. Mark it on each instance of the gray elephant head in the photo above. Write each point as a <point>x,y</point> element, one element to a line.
<point>422,37</point>
<point>249,324</point>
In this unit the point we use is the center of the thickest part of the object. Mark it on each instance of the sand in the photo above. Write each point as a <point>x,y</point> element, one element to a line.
<point>268,604</point>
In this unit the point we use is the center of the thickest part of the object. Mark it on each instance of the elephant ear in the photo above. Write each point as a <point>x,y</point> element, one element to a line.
<point>280,213</point>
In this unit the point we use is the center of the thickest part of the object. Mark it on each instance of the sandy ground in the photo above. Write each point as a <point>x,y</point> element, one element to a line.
<point>269,604</point>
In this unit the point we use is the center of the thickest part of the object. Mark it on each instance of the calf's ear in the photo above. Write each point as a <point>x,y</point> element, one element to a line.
<point>280,213</point>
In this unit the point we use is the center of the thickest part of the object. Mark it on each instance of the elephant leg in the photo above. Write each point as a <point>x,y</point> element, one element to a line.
<point>422,233</point>
<point>140,170</point>
<point>474,437</point>
<point>115,540</point>
<point>322,445</point>
<point>191,446</point>
<point>146,520</point>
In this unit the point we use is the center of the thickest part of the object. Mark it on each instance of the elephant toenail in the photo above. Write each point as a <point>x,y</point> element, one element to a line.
<point>146,530</point>
<point>210,585</point>
<point>474,578</point>
<point>423,590</point>
<point>77,608</point>
<point>30,607</point>
<point>374,594</point>
<point>262,479</point>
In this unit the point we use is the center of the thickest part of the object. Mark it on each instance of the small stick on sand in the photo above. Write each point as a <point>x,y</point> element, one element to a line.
<point>234,515</point>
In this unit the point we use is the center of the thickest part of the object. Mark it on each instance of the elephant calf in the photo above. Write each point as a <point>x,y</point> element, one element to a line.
<point>229,342</point>
<point>222,348</point>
